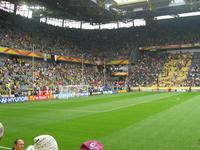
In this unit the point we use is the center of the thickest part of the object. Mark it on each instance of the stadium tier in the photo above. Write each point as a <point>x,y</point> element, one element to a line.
<point>30,60</point>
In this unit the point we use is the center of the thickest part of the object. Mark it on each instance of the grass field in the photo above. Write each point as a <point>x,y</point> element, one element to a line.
<point>132,121</point>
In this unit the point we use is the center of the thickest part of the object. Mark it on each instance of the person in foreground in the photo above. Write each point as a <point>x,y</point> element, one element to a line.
<point>91,145</point>
<point>18,144</point>
<point>44,142</point>
<point>1,131</point>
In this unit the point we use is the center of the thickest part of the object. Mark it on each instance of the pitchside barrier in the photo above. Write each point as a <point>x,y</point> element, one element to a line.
<point>4,100</point>
<point>166,89</point>
<point>64,92</point>
<point>42,95</point>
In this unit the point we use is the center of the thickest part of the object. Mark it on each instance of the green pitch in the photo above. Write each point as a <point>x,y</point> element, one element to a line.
<point>132,121</point>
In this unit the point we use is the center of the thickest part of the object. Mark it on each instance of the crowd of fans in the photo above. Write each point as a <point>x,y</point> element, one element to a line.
<point>54,40</point>
<point>178,69</point>
<point>19,73</point>
<point>194,73</point>
<point>94,44</point>
<point>146,70</point>
<point>14,34</point>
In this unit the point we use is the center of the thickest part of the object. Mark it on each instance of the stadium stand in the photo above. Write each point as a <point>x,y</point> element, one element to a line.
<point>145,72</point>
<point>66,42</point>
<point>94,45</point>
<point>194,72</point>
<point>17,73</point>
<point>175,70</point>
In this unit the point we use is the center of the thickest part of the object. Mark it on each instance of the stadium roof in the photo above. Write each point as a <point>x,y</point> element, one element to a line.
<point>124,2</point>
<point>105,11</point>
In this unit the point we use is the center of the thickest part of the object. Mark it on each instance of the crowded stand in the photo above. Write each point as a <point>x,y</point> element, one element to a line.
<point>146,70</point>
<point>65,42</point>
<point>165,69</point>
<point>17,74</point>
<point>160,68</point>
<point>95,44</point>
<point>194,72</point>
<point>175,70</point>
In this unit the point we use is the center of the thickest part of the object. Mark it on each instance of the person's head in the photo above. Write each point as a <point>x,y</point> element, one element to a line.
<point>18,144</point>
<point>91,145</point>
<point>1,131</point>
<point>44,142</point>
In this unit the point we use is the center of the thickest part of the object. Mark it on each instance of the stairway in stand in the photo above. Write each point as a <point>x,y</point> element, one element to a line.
<point>175,70</point>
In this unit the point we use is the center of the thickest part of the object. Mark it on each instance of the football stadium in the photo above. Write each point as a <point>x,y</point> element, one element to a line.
<point>99,74</point>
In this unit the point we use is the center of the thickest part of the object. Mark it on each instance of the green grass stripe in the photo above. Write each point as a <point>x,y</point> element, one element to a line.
<point>176,128</point>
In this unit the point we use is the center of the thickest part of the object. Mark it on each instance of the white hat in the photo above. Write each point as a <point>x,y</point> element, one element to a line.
<point>1,130</point>
<point>44,142</point>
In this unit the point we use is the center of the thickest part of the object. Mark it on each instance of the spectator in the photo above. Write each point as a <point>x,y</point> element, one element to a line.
<point>91,145</point>
<point>18,144</point>
<point>1,131</point>
<point>44,142</point>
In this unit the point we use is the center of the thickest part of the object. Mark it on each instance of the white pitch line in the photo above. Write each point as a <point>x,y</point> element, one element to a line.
<point>2,147</point>
<point>108,110</point>
<point>99,111</point>
<point>129,105</point>
<point>78,110</point>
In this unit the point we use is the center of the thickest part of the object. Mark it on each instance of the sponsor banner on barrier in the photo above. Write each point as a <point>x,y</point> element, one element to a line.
<point>122,91</point>
<point>4,100</point>
<point>40,97</point>
<point>69,95</point>
<point>64,96</point>
<point>107,92</point>
<point>84,94</point>
<point>166,89</point>
<point>96,93</point>
<point>60,96</point>
<point>104,93</point>
<point>8,96</point>
<point>114,91</point>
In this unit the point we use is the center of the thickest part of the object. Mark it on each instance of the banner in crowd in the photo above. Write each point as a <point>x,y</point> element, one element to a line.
<point>119,73</point>
<point>112,62</point>
<point>174,46</point>
<point>71,59</point>
<point>45,56</point>
<point>12,51</point>
<point>117,62</point>
<point>4,100</point>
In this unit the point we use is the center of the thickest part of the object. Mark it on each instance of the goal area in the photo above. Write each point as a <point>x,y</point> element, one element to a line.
<point>73,91</point>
